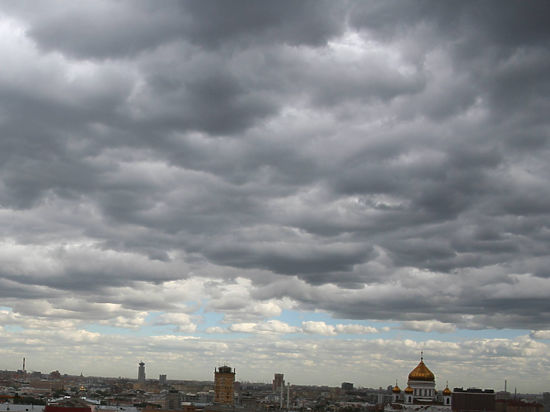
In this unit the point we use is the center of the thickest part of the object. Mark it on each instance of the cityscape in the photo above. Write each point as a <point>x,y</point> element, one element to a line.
<point>275,205</point>
<point>55,392</point>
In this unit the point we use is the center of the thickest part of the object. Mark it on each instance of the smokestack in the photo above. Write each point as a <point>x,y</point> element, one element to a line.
<point>23,364</point>
<point>505,385</point>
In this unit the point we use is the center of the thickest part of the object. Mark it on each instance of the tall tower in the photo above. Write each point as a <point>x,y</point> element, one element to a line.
<point>278,382</point>
<point>224,379</point>
<point>141,372</point>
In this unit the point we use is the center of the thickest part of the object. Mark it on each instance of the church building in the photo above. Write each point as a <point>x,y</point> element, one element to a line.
<point>420,390</point>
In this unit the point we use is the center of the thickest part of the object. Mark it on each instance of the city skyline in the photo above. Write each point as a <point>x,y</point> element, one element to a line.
<point>276,384</point>
<point>140,378</point>
<point>318,188</point>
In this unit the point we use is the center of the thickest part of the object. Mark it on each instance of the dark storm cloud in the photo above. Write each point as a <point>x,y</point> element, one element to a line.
<point>290,258</point>
<point>508,24</point>
<point>339,145</point>
<point>305,23</point>
<point>114,30</point>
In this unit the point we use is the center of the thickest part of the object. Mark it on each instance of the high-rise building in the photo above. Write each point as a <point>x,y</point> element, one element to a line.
<point>162,380</point>
<point>224,378</point>
<point>141,373</point>
<point>347,386</point>
<point>278,382</point>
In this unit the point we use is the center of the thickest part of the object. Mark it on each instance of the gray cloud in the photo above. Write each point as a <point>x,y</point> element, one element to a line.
<point>374,160</point>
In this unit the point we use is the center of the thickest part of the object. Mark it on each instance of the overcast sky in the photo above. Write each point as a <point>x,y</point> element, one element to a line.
<point>317,188</point>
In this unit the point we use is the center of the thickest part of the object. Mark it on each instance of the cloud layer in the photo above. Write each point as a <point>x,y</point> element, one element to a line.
<point>372,161</point>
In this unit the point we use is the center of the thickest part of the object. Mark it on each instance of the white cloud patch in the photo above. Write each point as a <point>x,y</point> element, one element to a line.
<point>322,328</point>
<point>271,326</point>
<point>134,321</point>
<point>182,321</point>
<point>427,326</point>
<point>540,334</point>
<point>355,329</point>
<point>318,328</point>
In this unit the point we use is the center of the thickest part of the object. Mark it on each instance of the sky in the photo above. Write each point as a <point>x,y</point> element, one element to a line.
<point>317,188</point>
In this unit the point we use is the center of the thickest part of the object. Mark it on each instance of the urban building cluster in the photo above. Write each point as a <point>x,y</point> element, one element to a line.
<point>21,391</point>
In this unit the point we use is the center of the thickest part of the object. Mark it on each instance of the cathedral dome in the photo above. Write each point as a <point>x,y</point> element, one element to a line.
<point>421,373</point>
<point>446,391</point>
<point>396,389</point>
<point>408,389</point>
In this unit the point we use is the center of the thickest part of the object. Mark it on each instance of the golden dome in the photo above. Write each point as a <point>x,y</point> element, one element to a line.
<point>446,391</point>
<point>396,389</point>
<point>408,389</point>
<point>421,373</point>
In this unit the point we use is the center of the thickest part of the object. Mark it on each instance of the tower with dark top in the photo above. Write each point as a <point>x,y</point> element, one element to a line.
<point>141,373</point>
<point>224,378</point>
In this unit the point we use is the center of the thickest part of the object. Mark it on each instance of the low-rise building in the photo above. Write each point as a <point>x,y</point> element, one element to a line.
<point>473,400</point>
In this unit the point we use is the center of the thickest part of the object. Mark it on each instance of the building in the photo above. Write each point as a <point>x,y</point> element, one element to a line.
<point>10,407</point>
<point>278,382</point>
<point>141,373</point>
<point>517,405</point>
<point>162,380</point>
<point>50,408</point>
<point>420,390</point>
<point>421,384</point>
<point>224,378</point>
<point>472,399</point>
<point>172,400</point>
<point>347,386</point>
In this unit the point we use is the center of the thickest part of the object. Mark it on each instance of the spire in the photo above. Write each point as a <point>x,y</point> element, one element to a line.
<point>421,355</point>
<point>447,391</point>
<point>396,389</point>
